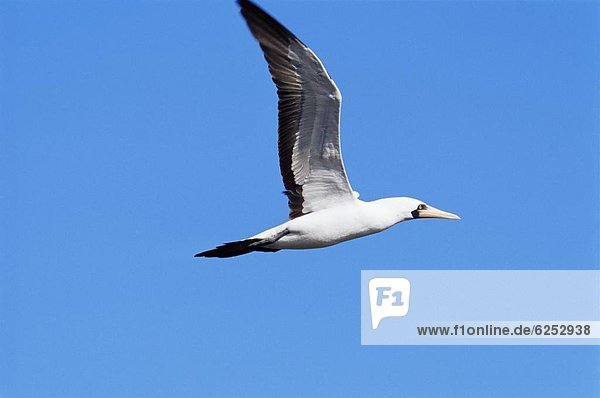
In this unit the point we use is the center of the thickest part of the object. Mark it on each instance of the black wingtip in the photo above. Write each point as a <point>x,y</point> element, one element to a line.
<point>246,4</point>
<point>232,249</point>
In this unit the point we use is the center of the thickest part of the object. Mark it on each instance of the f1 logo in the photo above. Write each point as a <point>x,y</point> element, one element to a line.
<point>389,297</point>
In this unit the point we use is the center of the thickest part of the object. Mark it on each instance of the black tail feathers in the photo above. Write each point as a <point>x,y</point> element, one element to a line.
<point>232,249</point>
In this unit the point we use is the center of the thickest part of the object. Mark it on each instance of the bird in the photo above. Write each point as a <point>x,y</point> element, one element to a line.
<point>324,209</point>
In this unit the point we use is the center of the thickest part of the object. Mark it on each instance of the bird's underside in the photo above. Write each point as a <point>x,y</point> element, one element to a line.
<point>315,230</point>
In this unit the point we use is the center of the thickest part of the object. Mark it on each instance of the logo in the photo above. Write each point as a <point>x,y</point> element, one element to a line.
<point>389,297</point>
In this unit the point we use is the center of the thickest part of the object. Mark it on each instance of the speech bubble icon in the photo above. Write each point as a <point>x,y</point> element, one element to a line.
<point>389,297</point>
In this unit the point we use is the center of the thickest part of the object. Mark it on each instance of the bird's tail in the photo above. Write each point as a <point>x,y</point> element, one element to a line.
<point>232,249</point>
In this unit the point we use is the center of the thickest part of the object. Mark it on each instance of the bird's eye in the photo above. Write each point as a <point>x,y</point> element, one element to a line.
<point>421,207</point>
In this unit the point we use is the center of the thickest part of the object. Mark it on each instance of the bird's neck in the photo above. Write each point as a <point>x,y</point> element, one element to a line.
<point>390,211</point>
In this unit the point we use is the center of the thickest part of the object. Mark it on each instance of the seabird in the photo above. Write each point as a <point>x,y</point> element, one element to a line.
<point>324,210</point>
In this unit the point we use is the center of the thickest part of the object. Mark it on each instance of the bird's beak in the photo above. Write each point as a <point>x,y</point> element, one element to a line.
<point>432,212</point>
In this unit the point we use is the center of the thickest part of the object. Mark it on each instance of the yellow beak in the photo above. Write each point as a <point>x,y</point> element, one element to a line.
<point>432,212</point>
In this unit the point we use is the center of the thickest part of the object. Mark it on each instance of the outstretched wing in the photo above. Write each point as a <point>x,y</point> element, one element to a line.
<point>310,158</point>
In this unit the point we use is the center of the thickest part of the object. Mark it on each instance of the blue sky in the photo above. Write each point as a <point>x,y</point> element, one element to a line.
<point>135,134</point>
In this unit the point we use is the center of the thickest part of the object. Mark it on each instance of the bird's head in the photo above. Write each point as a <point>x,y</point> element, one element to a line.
<point>412,209</point>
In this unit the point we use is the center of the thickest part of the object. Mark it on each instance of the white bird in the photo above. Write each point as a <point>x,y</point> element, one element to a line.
<point>324,210</point>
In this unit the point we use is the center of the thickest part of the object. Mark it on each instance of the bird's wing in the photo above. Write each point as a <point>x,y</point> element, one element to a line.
<point>310,157</point>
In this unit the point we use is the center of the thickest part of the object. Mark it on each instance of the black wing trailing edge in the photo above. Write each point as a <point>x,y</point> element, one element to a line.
<point>309,108</point>
<point>275,41</point>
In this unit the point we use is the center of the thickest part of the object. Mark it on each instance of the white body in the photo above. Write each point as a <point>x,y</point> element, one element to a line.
<point>327,227</point>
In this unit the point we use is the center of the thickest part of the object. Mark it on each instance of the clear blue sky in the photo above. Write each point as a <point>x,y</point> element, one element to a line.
<point>135,134</point>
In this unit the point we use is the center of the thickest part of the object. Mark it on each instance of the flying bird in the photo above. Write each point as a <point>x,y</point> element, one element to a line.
<point>324,210</point>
